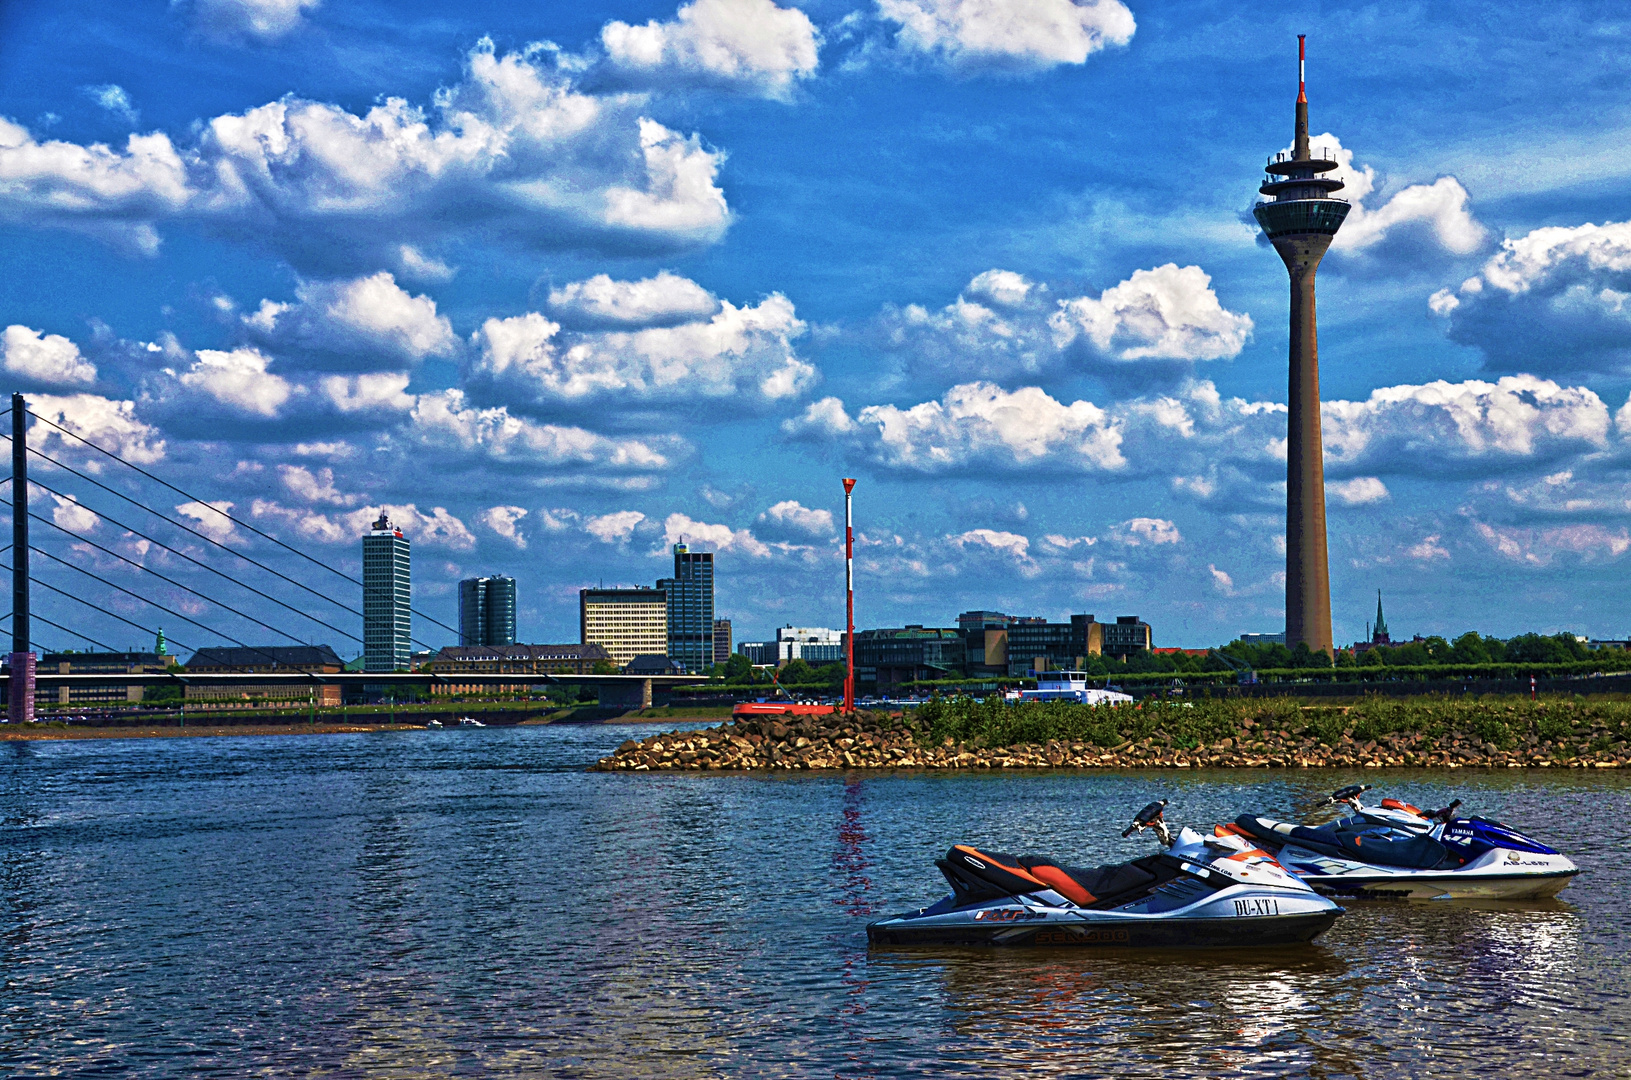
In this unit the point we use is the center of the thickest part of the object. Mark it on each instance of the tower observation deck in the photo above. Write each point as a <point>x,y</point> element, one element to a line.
<point>1300,219</point>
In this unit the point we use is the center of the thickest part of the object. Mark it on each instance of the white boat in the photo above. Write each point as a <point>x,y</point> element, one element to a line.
<point>1072,686</point>
<point>470,721</point>
<point>433,723</point>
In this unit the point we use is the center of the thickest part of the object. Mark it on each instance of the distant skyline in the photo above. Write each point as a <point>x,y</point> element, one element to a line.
<point>557,285</point>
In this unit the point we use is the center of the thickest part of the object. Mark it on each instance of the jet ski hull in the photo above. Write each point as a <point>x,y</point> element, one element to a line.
<point>1204,933</point>
<point>1495,863</point>
<point>1446,886</point>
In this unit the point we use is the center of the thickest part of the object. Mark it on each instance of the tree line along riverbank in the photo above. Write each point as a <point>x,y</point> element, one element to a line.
<point>1274,733</point>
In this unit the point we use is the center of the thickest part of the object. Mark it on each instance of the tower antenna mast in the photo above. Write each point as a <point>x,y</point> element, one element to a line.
<point>1300,219</point>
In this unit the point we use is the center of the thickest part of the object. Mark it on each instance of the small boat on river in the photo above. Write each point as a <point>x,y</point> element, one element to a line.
<point>789,710</point>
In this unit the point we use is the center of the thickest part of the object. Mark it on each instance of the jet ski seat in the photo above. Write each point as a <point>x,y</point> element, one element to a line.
<point>1369,844</point>
<point>977,875</point>
<point>1083,885</point>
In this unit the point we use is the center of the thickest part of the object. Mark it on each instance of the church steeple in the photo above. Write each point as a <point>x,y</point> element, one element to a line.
<point>1379,635</point>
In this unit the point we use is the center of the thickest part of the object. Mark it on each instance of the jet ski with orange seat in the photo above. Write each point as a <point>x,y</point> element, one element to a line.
<point>1398,851</point>
<point>1202,891</point>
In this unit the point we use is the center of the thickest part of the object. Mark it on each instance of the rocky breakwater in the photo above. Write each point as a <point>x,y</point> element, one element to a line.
<point>866,740</point>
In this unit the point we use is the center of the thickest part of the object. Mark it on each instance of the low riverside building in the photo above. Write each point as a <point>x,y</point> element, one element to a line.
<point>100,663</point>
<point>1034,645</point>
<point>655,664</point>
<point>890,657</point>
<point>625,622</point>
<point>759,653</point>
<point>455,660</point>
<point>815,645</point>
<point>267,659</point>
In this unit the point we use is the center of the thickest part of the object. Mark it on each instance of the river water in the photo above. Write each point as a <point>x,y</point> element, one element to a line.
<point>472,903</point>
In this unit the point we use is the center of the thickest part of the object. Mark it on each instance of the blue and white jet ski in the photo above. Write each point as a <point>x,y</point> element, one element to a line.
<point>1202,891</point>
<point>1395,850</point>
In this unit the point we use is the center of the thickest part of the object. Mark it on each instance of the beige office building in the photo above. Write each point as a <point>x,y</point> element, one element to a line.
<point>625,622</point>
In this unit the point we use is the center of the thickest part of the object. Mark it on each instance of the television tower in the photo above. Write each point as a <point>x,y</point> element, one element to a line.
<point>1300,222</point>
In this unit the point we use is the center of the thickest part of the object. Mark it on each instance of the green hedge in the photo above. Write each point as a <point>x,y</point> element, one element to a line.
<point>1503,721</point>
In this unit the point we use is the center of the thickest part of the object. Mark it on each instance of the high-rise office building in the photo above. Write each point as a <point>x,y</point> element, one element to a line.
<point>625,622</point>
<point>722,640</point>
<point>691,608</point>
<point>386,620</point>
<point>487,611</point>
<point>1300,222</point>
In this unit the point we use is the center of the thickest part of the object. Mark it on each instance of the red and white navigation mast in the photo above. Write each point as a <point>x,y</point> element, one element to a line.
<point>849,599</point>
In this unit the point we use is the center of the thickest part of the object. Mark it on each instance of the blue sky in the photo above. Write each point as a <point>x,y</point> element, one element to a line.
<point>556,284</point>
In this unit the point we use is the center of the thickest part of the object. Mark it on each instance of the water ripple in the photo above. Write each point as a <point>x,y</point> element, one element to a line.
<point>473,903</point>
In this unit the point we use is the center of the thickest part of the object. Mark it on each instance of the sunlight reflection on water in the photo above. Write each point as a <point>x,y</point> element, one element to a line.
<point>472,902</point>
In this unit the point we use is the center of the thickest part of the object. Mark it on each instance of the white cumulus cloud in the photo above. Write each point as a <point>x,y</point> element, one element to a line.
<point>444,421</point>
<point>1145,532</point>
<point>106,422</point>
<point>211,518</point>
<point>744,354</point>
<point>1441,207</point>
<point>1004,324</point>
<point>748,46</point>
<point>115,100</point>
<point>239,379</point>
<point>614,528</point>
<point>47,358</point>
<point>1417,427</point>
<point>68,514</point>
<point>262,20</point>
<point>1168,313</point>
<point>602,302</point>
<point>1013,545</point>
<point>313,487</point>
<point>506,522</point>
<point>975,426</point>
<point>791,516</point>
<point>1551,299</point>
<point>1009,35</point>
<point>678,529</point>
<point>1357,492</point>
<point>515,151</point>
<point>371,320</point>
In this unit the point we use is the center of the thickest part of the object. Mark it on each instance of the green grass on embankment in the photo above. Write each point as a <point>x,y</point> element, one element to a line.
<point>1584,724</point>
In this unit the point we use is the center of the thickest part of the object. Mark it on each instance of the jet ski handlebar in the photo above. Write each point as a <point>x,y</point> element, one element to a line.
<point>1443,815</point>
<point>1150,818</point>
<point>1349,794</point>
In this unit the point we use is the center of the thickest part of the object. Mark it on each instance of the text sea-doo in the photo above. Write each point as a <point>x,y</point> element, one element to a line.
<point>1395,850</point>
<point>1201,891</point>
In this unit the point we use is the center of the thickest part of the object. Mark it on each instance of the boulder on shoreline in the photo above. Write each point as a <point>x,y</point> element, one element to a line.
<point>866,740</point>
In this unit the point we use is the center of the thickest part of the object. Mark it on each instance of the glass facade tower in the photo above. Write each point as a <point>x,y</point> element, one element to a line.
<point>386,620</point>
<point>487,611</point>
<point>691,609</point>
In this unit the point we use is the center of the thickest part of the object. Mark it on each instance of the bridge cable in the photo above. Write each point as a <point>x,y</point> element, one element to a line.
<point>64,629</point>
<point>132,562</point>
<point>224,514</point>
<point>87,603</point>
<point>194,532</point>
<point>167,611</point>
<point>195,562</point>
<point>185,528</point>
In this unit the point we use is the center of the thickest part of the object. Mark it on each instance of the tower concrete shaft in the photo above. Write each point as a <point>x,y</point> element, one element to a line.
<point>1301,221</point>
